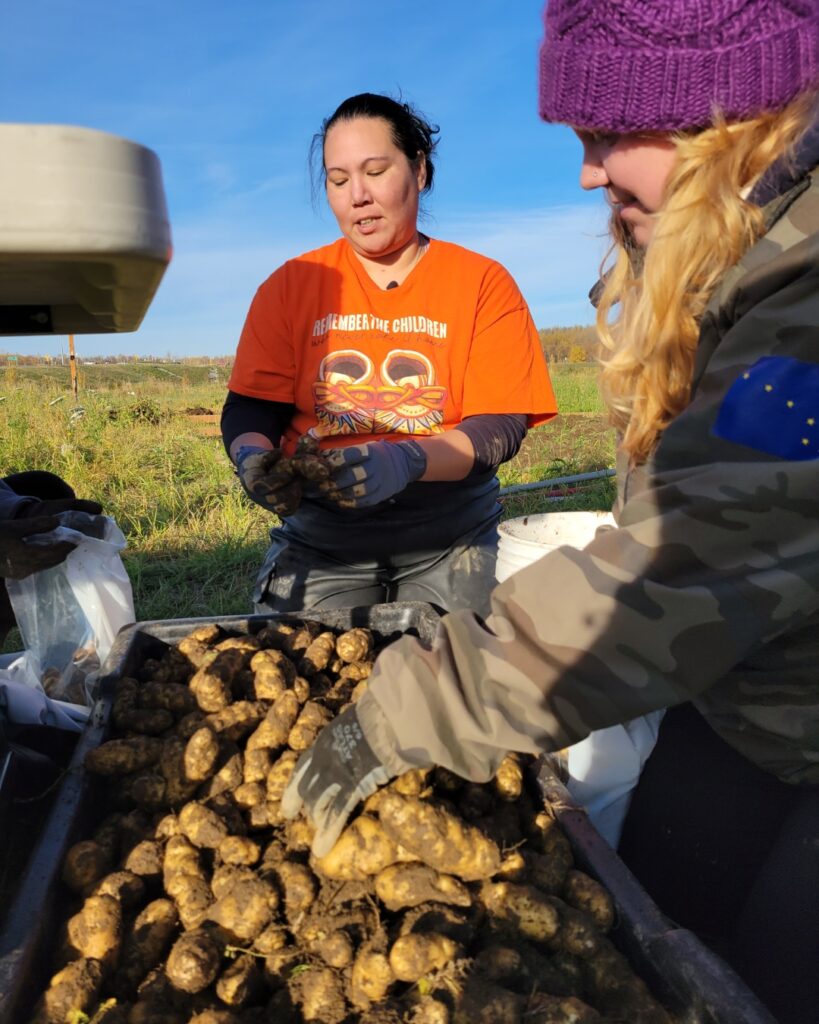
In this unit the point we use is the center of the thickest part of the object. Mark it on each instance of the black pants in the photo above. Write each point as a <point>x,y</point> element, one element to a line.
<point>33,484</point>
<point>732,853</point>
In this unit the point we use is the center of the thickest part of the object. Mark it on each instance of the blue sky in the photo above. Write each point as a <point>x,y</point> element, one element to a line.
<point>228,93</point>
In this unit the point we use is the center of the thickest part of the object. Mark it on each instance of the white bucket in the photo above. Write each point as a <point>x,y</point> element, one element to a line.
<point>604,767</point>
<point>526,539</point>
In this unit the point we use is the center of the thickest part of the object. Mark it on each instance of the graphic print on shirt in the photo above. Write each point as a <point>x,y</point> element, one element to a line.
<point>401,396</point>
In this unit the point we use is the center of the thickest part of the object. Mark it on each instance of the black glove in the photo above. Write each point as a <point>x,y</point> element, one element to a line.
<point>330,778</point>
<point>268,479</point>
<point>53,507</point>
<point>20,558</point>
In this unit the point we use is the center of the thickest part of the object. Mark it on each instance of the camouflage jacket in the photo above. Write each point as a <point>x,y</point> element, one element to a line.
<point>707,590</point>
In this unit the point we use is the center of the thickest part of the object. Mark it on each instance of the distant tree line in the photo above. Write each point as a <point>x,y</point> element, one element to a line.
<point>576,344</point>
<point>569,344</point>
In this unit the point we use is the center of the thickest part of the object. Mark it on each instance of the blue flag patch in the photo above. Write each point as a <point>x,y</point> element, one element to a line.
<point>774,407</point>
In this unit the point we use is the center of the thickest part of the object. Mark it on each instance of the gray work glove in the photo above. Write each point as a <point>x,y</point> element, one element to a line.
<point>268,479</point>
<point>332,777</point>
<point>367,474</point>
<point>20,556</point>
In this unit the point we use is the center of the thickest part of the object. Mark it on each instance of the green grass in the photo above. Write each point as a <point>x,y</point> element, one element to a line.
<point>194,541</point>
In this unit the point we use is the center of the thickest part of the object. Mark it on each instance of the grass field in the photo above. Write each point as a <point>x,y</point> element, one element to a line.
<point>195,541</point>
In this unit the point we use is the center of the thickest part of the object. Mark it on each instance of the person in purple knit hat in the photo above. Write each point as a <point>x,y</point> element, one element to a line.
<point>698,121</point>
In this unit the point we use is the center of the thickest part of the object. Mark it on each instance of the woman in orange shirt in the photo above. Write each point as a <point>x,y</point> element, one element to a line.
<point>415,361</point>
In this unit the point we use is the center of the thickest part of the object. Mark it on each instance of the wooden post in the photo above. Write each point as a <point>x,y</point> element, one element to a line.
<point>72,362</point>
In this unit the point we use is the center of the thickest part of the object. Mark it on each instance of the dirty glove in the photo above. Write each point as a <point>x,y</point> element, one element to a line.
<point>268,479</point>
<point>368,474</point>
<point>334,775</point>
<point>19,557</point>
<point>53,507</point>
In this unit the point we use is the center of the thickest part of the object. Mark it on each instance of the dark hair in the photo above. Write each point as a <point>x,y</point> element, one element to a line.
<point>410,130</point>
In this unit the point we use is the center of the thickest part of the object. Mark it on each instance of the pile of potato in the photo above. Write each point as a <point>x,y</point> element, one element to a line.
<point>443,902</point>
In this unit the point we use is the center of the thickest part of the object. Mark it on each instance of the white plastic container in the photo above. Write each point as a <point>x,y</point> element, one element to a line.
<point>527,538</point>
<point>604,767</point>
<point>84,230</point>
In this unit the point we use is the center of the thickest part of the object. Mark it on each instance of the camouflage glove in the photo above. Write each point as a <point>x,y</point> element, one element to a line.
<point>19,557</point>
<point>368,474</point>
<point>268,479</point>
<point>334,775</point>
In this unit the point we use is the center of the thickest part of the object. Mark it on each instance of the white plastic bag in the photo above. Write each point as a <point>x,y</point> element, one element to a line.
<point>605,767</point>
<point>69,615</point>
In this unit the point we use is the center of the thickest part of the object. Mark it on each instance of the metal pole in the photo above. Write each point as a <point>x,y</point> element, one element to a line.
<point>72,362</point>
<point>557,481</point>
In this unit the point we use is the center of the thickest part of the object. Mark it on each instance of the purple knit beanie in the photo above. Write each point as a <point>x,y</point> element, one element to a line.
<point>665,65</point>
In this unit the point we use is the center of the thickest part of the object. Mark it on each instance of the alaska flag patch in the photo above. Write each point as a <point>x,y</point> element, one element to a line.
<point>774,407</point>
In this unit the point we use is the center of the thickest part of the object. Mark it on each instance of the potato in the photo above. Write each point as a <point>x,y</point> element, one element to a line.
<point>202,826</point>
<point>207,633</point>
<point>215,1017</point>
<point>524,907</point>
<point>247,645</point>
<point>273,937</point>
<point>250,794</point>
<point>181,858</point>
<point>145,945</point>
<point>146,721</point>
<point>273,673</point>
<point>362,849</point>
<point>415,955</point>
<point>312,719</point>
<point>616,991</point>
<point>228,778</point>
<point>125,886</point>
<point>578,934</point>
<point>299,887</point>
<point>256,765</point>
<point>192,896</point>
<point>408,885</point>
<point>304,633</point>
<point>238,719</point>
<point>174,697</point>
<point>484,1003</point>
<point>240,982</point>
<point>201,754</point>
<point>584,893</point>
<point>319,995</point>
<point>336,949</point>
<point>508,781</point>
<point>318,654</point>
<point>545,1009</point>
<point>178,787</point>
<point>225,876</point>
<point>355,645</point>
<point>245,910</point>
<point>438,838</point>
<point>547,871</point>
<point>239,850</point>
<point>75,987</point>
<point>96,931</point>
<point>280,774</point>
<point>371,977</point>
<point>211,685</point>
<point>273,730</point>
<point>85,863</point>
<point>145,859</point>
<point>357,672</point>
<point>122,757</point>
<point>148,791</point>
<point>193,962</point>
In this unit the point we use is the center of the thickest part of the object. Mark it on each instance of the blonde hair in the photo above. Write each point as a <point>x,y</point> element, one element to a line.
<point>702,229</point>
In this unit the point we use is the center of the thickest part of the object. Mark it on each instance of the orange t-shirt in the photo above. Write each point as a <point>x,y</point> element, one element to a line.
<point>456,339</point>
